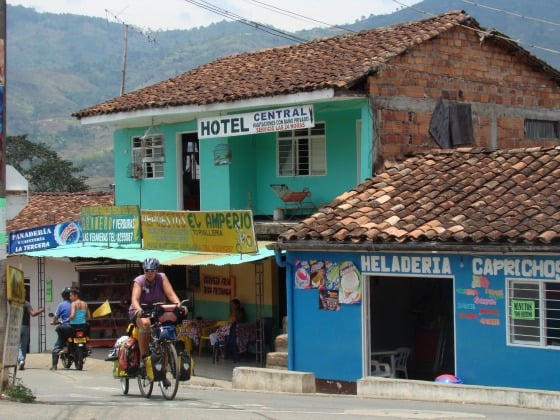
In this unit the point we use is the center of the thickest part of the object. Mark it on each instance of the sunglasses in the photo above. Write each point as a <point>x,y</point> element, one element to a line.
<point>149,271</point>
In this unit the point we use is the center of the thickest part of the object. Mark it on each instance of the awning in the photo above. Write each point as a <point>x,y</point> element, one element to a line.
<point>165,257</point>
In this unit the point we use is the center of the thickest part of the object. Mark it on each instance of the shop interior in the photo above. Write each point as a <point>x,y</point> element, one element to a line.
<point>414,313</point>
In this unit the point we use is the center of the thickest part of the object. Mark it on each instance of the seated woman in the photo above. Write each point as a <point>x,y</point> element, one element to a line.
<point>79,314</point>
<point>236,316</point>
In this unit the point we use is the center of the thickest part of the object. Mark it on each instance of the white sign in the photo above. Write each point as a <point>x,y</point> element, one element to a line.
<point>256,122</point>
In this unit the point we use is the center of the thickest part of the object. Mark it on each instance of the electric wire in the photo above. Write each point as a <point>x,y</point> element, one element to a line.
<point>480,31</point>
<point>297,16</point>
<point>519,15</point>
<point>256,25</point>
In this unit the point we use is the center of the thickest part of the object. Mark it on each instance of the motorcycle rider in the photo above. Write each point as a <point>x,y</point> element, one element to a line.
<point>63,329</point>
<point>147,289</point>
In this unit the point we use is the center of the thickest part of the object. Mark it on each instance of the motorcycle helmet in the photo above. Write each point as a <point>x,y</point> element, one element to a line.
<point>66,293</point>
<point>150,264</point>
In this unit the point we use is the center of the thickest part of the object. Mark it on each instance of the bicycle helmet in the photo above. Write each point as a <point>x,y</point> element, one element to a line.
<point>66,293</point>
<point>150,264</point>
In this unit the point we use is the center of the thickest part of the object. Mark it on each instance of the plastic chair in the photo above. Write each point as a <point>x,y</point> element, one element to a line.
<point>205,333</point>
<point>380,369</point>
<point>401,360</point>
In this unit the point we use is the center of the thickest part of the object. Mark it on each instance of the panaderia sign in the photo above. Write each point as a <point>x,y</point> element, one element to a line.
<point>282,119</point>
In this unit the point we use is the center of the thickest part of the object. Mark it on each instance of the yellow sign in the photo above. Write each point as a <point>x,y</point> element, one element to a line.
<point>16,287</point>
<point>200,231</point>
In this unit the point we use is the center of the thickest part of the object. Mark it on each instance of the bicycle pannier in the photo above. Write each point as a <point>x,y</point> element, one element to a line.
<point>129,356</point>
<point>184,363</point>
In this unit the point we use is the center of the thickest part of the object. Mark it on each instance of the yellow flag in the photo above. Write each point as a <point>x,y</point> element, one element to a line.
<point>104,309</point>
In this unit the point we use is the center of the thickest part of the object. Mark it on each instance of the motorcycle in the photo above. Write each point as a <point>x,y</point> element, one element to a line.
<point>78,348</point>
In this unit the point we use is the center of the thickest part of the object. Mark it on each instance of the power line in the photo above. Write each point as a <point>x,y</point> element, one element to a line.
<point>256,25</point>
<point>481,32</point>
<point>297,15</point>
<point>146,33</point>
<point>549,22</point>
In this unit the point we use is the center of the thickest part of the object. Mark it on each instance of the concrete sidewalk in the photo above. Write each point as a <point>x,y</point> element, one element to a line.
<point>214,376</point>
<point>247,377</point>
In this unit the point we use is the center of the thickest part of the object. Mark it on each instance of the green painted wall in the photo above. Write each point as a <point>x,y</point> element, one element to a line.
<point>246,182</point>
<point>154,194</point>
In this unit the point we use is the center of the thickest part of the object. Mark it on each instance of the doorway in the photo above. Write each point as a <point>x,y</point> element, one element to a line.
<point>191,171</point>
<point>418,313</point>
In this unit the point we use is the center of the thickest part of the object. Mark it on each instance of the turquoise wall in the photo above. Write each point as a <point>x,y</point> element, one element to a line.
<point>246,182</point>
<point>153,194</point>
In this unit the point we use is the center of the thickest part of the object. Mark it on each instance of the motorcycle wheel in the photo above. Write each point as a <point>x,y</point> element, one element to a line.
<point>145,385</point>
<point>66,360</point>
<point>124,385</point>
<point>170,384</point>
<point>79,362</point>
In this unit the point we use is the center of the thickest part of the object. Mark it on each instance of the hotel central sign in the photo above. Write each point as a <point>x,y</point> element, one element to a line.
<point>256,122</point>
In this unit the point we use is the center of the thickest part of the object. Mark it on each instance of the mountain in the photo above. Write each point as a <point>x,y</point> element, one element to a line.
<point>58,64</point>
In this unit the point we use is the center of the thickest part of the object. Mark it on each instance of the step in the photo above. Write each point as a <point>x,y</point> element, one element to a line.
<point>281,343</point>
<point>275,380</point>
<point>277,360</point>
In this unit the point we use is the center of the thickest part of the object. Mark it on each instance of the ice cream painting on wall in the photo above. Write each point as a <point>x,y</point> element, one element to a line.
<point>335,281</point>
<point>350,284</point>
<point>302,275</point>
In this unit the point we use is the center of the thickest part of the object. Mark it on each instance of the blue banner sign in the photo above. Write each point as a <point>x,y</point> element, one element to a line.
<point>44,237</point>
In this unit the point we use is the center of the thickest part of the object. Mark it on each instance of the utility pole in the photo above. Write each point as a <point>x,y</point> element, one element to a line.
<point>123,71</point>
<point>149,35</point>
<point>3,255</point>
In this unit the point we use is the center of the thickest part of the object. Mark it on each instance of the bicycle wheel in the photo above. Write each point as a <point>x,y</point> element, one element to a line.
<point>124,385</point>
<point>170,384</point>
<point>144,384</point>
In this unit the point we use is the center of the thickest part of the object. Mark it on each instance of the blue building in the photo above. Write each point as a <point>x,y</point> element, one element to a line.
<point>452,254</point>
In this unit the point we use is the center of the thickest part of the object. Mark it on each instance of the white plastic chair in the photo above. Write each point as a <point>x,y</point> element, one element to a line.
<point>380,369</point>
<point>401,360</point>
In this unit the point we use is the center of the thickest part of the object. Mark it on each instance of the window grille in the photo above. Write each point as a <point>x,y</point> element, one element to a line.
<point>541,129</point>
<point>534,313</point>
<point>302,152</point>
<point>148,156</point>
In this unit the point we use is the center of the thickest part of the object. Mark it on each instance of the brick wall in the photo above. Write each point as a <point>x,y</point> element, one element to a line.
<point>502,86</point>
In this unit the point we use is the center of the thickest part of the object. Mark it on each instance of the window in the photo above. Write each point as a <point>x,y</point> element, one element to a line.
<point>451,124</point>
<point>540,129</point>
<point>147,157</point>
<point>534,313</point>
<point>302,152</point>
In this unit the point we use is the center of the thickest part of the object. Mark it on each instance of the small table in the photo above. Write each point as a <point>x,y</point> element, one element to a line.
<point>386,354</point>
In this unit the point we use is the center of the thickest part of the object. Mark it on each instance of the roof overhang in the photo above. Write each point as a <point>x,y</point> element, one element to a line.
<point>166,257</point>
<point>432,247</point>
<point>169,115</point>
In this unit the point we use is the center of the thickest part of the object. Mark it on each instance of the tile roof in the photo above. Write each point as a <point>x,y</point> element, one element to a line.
<point>460,196</point>
<point>49,208</point>
<point>338,62</point>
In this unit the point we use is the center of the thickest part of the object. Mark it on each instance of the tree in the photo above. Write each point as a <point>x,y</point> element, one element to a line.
<point>43,168</point>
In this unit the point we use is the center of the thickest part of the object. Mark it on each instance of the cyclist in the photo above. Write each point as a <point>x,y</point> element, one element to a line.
<point>147,289</point>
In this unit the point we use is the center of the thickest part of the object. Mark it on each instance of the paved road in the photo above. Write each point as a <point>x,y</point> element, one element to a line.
<point>94,394</point>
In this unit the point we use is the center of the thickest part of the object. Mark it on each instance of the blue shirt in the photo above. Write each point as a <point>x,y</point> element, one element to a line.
<point>63,311</point>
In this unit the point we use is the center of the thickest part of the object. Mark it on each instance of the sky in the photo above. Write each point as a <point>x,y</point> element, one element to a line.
<point>289,15</point>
